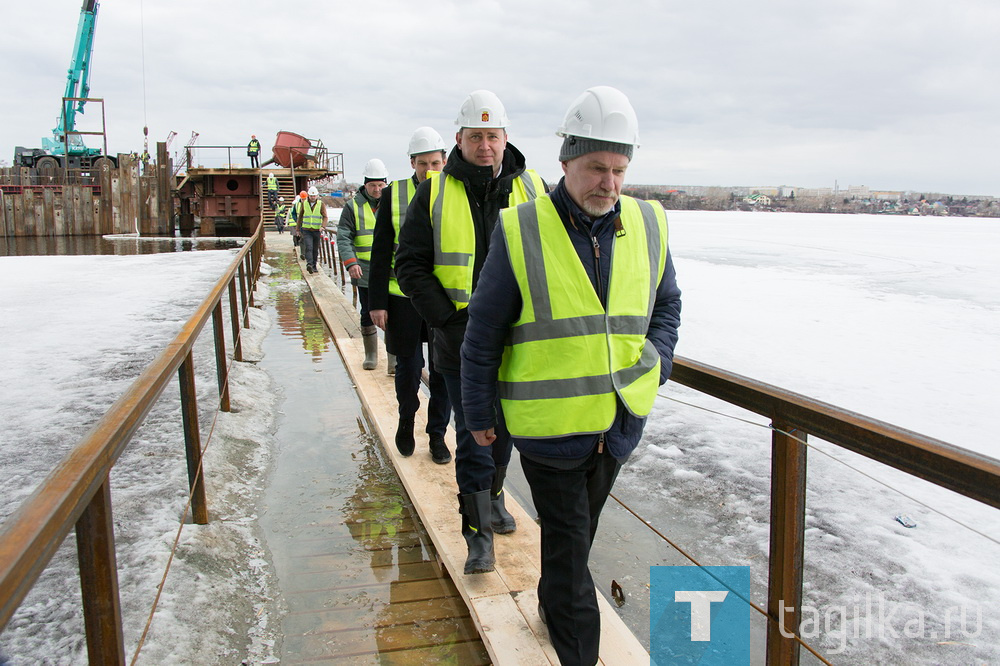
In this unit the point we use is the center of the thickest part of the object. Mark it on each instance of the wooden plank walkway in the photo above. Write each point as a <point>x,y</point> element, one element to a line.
<point>503,604</point>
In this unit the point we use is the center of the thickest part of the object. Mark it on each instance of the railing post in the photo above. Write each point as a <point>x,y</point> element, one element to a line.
<point>788,519</point>
<point>95,548</point>
<point>251,283</point>
<point>234,321</point>
<point>221,366</point>
<point>192,440</point>
<point>244,307</point>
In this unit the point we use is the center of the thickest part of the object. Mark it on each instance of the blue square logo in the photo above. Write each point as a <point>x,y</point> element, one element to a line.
<point>696,616</point>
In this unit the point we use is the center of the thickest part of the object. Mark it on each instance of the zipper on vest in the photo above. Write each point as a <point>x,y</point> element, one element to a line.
<point>600,443</point>
<point>597,270</point>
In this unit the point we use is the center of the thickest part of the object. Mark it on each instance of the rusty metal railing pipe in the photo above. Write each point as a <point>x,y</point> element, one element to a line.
<point>234,321</point>
<point>786,560</point>
<point>32,534</point>
<point>244,304</point>
<point>221,365</point>
<point>792,417</point>
<point>192,440</point>
<point>966,472</point>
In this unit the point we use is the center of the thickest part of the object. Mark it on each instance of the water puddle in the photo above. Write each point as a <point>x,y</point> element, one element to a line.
<point>358,575</point>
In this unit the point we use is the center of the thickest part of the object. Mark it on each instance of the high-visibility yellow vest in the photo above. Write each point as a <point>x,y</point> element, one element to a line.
<point>364,228</point>
<point>568,357</point>
<point>402,194</point>
<point>311,215</point>
<point>272,182</point>
<point>455,234</point>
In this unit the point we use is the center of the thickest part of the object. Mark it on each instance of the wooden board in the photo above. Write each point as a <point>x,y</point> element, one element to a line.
<point>503,604</point>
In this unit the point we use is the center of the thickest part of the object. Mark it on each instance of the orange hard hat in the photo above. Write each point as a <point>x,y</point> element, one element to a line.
<point>303,195</point>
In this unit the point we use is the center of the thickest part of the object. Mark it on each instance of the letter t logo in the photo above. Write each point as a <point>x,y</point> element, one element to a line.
<point>701,610</point>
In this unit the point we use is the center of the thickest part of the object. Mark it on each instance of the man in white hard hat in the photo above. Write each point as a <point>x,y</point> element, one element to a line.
<point>272,191</point>
<point>312,216</point>
<point>442,247</point>
<point>574,326</point>
<point>354,244</point>
<point>280,215</point>
<point>391,310</point>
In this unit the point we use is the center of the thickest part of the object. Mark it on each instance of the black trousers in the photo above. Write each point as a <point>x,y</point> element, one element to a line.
<point>310,245</point>
<point>475,465</point>
<point>407,381</point>
<point>569,504</point>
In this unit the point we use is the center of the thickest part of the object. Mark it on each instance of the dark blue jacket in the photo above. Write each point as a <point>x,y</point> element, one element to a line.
<point>496,305</point>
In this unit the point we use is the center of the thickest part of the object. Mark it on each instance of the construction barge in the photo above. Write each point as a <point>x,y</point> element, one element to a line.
<point>228,198</point>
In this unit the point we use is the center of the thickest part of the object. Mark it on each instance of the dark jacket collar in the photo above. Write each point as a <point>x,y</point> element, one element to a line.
<point>479,178</point>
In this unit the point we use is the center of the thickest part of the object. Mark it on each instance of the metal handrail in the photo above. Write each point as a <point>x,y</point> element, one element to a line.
<point>77,491</point>
<point>793,418</point>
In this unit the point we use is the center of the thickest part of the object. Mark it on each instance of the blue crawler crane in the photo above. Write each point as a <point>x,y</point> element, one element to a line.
<point>67,148</point>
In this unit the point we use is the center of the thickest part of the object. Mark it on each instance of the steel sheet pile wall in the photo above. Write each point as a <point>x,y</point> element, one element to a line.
<point>112,201</point>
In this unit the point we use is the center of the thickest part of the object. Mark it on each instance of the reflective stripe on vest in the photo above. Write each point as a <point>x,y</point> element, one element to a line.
<point>454,251</point>
<point>364,229</point>
<point>567,357</point>
<point>311,216</point>
<point>402,194</point>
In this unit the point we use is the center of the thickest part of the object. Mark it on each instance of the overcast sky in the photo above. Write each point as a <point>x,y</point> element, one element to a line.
<point>892,94</point>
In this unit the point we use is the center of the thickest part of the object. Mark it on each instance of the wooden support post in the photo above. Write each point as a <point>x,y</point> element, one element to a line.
<point>221,366</point>
<point>102,613</point>
<point>788,519</point>
<point>234,320</point>
<point>192,441</point>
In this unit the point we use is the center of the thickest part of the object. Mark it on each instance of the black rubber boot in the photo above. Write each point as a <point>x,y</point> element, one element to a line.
<point>404,437</point>
<point>502,521</point>
<point>477,531</point>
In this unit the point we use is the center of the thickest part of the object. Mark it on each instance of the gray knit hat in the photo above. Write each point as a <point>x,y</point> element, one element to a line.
<point>575,146</point>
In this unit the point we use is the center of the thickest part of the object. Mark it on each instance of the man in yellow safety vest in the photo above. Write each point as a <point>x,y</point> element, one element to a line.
<point>391,310</point>
<point>574,326</point>
<point>312,217</point>
<point>442,247</point>
<point>354,244</point>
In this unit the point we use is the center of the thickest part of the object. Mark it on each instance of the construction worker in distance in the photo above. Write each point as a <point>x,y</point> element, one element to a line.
<point>574,326</point>
<point>280,214</point>
<point>391,310</point>
<point>253,152</point>
<point>354,244</point>
<point>272,191</point>
<point>442,247</point>
<point>295,215</point>
<point>312,218</point>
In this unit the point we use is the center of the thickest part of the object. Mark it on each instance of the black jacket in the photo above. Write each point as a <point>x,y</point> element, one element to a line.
<point>415,256</point>
<point>406,329</point>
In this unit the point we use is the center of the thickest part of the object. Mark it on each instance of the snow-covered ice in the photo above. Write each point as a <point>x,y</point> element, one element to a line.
<point>896,318</point>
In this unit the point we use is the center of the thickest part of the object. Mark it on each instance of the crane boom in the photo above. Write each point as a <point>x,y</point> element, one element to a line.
<point>77,84</point>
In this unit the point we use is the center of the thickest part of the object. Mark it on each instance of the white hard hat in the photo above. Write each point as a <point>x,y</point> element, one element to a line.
<point>482,109</point>
<point>602,113</point>
<point>425,140</point>
<point>375,170</point>
<point>313,192</point>
<point>281,199</point>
